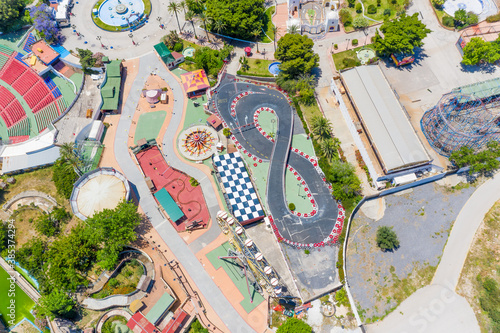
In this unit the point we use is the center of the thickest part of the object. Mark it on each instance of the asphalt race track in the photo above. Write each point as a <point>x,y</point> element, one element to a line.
<point>295,228</point>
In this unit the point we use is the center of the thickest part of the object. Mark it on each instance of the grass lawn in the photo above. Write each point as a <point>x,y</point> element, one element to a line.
<point>259,67</point>
<point>24,218</point>
<point>310,111</point>
<point>124,281</point>
<point>379,15</point>
<point>268,25</point>
<point>338,57</point>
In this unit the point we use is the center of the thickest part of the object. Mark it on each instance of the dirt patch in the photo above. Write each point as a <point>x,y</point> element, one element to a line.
<point>24,220</point>
<point>483,261</point>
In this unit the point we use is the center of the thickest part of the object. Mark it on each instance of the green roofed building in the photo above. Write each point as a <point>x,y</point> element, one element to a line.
<point>169,205</point>
<point>171,59</point>
<point>110,91</point>
<point>159,309</point>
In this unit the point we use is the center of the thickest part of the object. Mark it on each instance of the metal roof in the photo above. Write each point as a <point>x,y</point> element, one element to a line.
<point>170,206</point>
<point>388,127</point>
<point>31,160</point>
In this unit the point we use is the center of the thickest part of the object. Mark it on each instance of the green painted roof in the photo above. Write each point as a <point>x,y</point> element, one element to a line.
<point>169,205</point>
<point>164,53</point>
<point>113,69</point>
<point>159,308</point>
<point>110,93</point>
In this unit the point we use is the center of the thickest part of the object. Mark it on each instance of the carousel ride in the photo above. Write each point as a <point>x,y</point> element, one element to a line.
<point>198,143</point>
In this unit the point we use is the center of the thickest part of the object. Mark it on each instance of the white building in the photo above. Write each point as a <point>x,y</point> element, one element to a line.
<point>325,18</point>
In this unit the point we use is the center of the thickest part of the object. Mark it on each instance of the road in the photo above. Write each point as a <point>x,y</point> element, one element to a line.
<point>148,63</point>
<point>304,230</point>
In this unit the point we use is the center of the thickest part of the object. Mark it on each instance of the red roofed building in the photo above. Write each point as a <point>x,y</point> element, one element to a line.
<point>176,324</point>
<point>139,324</point>
<point>215,122</point>
<point>44,52</point>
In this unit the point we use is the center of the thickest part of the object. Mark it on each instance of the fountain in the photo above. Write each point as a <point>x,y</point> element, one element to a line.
<point>119,14</point>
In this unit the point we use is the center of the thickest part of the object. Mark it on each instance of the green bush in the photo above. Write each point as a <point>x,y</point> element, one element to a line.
<point>291,206</point>
<point>350,62</point>
<point>438,3</point>
<point>493,18</point>
<point>351,3</point>
<point>226,132</point>
<point>178,47</point>
<point>372,9</point>
<point>113,283</point>
<point>360,23</point>
<point>294,325</point>
<point>387,239</point>
<point>448,21</point>
<point>387,12</point>
<point>379,2</point>
<point>359,8</point>
<point>335,46</point>
<point>306,251</point>
<point>345,16</point>
<point>193,182</point>
<point>354,42</point>
<point>64,177</point>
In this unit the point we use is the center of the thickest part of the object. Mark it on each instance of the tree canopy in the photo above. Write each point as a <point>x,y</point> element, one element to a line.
<point>45,23</point>
<point>211,60</point>
<point>64,177</point>
<point>401,35</point>
<point>237,18</point>
<point>294,325</point>
<point>296,55</point>
<point>477,50</point>
<point>10,13</point>
<point>387,239</point>
<point>86,59</point>
<point>55,304</point>
<point>483,162</point>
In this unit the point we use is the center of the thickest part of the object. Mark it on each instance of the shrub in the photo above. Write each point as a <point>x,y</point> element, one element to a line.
<point>226,132</point>
<point>291,206</point>
<point>294,325</point>
<point>438,3</point>
<point>387,12</point>
<point>351,3</point>
<point>354,42</point>
<point>359,9</point>
<point>335,46</point>
<point>113,283</point>
<point>193,182</point>
<point>394,2</point>
<point>448,21</point>
<point>178,47</point>
<point>345,16</point>
<point>493,18</point>
<point>306,251</point>
<point>387,239</point>
<point>359,23</point>
<point>379,2</point>
<point>372,9</point>
<point>350,62</point>
<point>257,61</point>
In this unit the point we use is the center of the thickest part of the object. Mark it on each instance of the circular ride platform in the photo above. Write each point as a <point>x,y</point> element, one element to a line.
<point>198,143</point>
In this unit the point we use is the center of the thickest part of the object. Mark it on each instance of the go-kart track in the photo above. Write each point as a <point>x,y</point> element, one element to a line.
<point>238,103</point>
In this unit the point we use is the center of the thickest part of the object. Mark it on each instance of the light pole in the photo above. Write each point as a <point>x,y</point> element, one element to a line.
<point>347,46</point>
<point>131,37</point>
<point>99,39</point>
<point>159,22</point>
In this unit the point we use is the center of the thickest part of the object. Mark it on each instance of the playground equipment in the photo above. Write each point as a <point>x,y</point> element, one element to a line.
<point>256,268</point>
<point>467,116</point>
<point>198,142</point>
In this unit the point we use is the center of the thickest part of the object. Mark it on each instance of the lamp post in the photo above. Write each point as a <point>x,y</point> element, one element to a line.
<point>99,39</point>
<point>159,22</point>
<point>347,46</point>
<point>131,37</point>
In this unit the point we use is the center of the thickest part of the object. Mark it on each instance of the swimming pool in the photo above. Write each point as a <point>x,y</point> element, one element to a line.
<point>274,68</point>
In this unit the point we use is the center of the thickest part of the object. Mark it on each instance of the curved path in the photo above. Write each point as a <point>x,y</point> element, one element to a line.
<point>184,254</point>
<point>438,308</point>
<point>299,229</point>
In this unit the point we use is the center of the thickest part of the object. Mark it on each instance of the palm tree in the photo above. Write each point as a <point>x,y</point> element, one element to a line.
<point>219,26</point>
<point>70,158</point>
<point>174,7</point>
<point>308,79</point>
<point>183,5</point>
<point>321,127</point>
<point>190,17</point>
<point>204,18</point>
<point>275,32</point>
<point>330,148</point>
<point>293,29</point>
<point>244,63</point>
<point>256,34</point>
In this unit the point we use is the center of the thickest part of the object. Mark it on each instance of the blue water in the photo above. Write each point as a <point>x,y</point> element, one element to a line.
<point>107,13</point>
<point>61,50</point>
<point>274,68</point>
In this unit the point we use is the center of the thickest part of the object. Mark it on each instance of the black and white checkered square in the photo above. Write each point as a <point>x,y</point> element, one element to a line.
<point>239,189</point>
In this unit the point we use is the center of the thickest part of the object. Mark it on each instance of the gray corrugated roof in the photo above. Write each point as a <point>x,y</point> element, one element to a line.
<point>385,120</point>
<point>32,160</point>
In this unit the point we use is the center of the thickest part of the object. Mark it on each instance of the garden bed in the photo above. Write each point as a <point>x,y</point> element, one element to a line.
<point>381,11</point>
<point>124,281</point>
<point>268,27</point>
<point>339,58</point>
<point>257,67</point>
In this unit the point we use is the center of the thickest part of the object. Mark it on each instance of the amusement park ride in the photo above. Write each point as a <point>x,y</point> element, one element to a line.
<point>256,269</point>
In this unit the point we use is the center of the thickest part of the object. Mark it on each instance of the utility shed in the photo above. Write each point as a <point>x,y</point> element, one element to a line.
<point>390,133</point>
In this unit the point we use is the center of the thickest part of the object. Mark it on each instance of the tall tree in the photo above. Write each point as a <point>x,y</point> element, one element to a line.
<point>10,12</point>
<point>275,32</point>
<point>296,55</point>
<point>256,34</point>
<point>387,240</point>
<point>64,177</point>
<point>55,304</point>
<point>294,325</point>
<point>219,26</point>
<point>190,17</point>
<point>293,29</point>
<point>244,63</point>
<point>329,148</point>
<point>183,5</point>
<point>401,35</point>
<point>240,17</point>
<point>174,7</point>
<point>204,19</point>
<point>320,127</point>
<point>477,50</point>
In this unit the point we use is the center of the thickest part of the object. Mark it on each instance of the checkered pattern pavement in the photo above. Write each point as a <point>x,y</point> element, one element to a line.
<point>239,189</point>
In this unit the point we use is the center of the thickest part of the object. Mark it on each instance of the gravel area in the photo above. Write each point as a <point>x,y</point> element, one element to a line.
<point>422,218</point>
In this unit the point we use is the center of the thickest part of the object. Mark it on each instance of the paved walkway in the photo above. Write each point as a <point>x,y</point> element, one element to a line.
<point>187,259</point>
